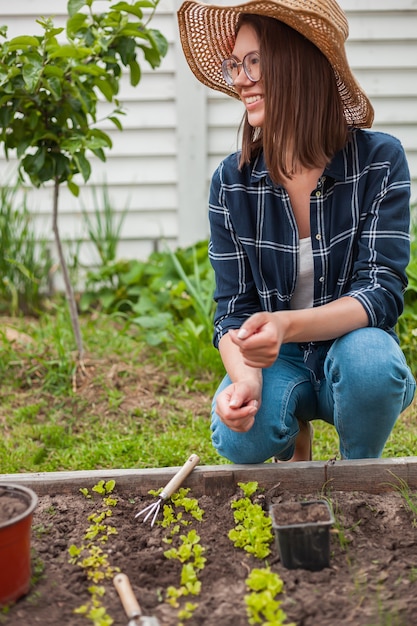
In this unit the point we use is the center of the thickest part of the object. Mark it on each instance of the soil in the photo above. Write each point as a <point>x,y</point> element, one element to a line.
<point>11,505</point>
<point>371,580</point>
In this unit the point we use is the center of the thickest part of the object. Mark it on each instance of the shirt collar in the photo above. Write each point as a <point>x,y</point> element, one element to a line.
<point>335,169</point>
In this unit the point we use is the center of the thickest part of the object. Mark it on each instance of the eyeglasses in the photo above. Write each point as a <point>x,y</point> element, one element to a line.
<point>251,66</point>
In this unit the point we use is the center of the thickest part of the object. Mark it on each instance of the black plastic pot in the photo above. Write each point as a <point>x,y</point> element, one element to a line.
<point>302,532</point>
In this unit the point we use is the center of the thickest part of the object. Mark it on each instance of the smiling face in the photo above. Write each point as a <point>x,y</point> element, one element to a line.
<point>251,94</point>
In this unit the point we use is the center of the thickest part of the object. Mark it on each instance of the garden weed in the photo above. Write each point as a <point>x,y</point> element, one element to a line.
<point>409,497</point>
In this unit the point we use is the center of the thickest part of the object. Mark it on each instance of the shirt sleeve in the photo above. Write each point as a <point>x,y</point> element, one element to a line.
<point>235,292</point>
<point>383,247</point>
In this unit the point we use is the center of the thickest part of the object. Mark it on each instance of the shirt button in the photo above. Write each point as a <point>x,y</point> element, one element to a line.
<point>318,236</point>
<point>321,279</point>
<point>318,194</point>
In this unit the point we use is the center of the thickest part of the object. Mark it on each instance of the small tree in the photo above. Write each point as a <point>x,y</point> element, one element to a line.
<point>50,88</point>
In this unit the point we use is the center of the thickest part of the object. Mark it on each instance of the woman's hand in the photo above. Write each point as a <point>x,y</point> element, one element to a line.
<point>238,404</point>
<point>260,338</point>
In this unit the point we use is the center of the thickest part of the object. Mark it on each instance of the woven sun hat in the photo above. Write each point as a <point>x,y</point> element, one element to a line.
<point>207,34</point>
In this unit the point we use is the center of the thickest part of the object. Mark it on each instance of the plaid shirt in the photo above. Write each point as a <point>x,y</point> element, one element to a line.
<point>359,217</point>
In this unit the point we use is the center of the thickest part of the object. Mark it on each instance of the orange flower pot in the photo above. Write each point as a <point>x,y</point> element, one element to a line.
<point>17,504</point>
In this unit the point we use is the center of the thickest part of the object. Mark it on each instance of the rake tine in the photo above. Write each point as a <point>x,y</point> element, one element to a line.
<point>149,508</point>
<point>156,513</point>
<point>174,483</point>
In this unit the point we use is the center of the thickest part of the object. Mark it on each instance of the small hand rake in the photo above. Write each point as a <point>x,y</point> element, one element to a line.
<point>153,509</point>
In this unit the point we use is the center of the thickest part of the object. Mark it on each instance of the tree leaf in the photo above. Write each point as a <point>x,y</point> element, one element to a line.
<point>22,42</point>
<point>106,88</point>
<point>128,8</point>
<point>74,24</point>
<point>74,6</point>
<point>31,75</point>
<point>115,121</point>
<point>83,165</point>
<point>135,73</point>
<point>74,189</point>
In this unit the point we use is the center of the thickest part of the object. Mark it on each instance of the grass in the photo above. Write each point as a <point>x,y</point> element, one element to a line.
<point>135,406</point>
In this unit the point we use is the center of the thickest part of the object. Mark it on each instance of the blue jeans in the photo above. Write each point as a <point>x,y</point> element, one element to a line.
<point>361,385</point>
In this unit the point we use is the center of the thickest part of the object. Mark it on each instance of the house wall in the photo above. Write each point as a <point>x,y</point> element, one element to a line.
<point>176,130</point>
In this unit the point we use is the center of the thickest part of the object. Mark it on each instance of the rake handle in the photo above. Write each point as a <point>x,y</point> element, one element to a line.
<point>180,476</point>
<point>127,597</point>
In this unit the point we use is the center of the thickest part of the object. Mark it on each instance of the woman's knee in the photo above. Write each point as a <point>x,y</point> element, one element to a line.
<point>370,364</point>
<point>367,353</point>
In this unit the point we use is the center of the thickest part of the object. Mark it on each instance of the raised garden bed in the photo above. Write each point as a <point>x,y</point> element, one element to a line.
<point>372,578</point>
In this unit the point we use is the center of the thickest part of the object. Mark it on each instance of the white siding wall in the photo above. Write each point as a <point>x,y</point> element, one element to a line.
<point>176,130</point>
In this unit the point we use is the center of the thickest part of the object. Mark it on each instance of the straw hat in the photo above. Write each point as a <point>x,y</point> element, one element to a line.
<point>207,34</point>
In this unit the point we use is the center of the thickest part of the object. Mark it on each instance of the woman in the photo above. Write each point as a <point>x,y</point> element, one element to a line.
<point>309,236</point>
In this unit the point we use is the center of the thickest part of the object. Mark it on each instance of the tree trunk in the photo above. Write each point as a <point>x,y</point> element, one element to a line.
<point>68,287</point>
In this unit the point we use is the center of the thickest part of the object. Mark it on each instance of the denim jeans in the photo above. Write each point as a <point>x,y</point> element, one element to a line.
<point>361,385</point>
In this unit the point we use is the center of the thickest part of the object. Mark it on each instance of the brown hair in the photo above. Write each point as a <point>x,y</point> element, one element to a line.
<point>304,122</point>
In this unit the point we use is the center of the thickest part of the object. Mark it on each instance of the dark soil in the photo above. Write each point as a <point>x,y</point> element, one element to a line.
<point>11,505</point>
<point>372,578</point>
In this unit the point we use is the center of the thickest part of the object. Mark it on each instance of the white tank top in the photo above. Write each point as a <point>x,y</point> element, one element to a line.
<point>304,288</point>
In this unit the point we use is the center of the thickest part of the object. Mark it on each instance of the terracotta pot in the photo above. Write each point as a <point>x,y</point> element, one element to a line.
<point>17,504</point>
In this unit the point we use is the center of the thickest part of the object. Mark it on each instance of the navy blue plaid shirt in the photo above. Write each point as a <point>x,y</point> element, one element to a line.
<point>359,220</point>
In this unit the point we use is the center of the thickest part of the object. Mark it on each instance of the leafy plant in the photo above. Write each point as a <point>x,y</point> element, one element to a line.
<point>169,298</point>
<point>252,531</point>
<point>261,603</point>
<point>92,558</point>
<point>24,260</point>
<point>409,497</point>
<point>188,550</point>
<point>50,91</point>
<point>104,227</point>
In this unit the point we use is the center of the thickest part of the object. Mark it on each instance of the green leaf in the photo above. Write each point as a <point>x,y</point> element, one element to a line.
<point>69,51</point>
<point>152,56</point>
<point>74,189</point>
<point>22,42</point>
<point>159,41</point>
<point>99,153</point>
<point>75,23</point>
<point>128,8</point>
<point>106,88</point>
<point>54,85</point>
<point>98,139</point>
<point>74,6</point>
<point>83,165</point>
<point>31,75</point>
<point>135,73</point>
<point>115,121</point>
<point>53,70</point>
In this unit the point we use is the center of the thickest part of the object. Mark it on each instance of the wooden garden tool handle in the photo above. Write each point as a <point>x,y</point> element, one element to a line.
<point>176,480</point>
<point>128,598</point>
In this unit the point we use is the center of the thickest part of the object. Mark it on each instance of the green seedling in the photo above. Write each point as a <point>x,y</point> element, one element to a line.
<point>253,529</point>
<point>104,488</point>
<point>189,552</point>
<point>92,558</point>
<point>253,533</point>
<point>176,513</point>
<point>261,604</point>
<point>187,612</point>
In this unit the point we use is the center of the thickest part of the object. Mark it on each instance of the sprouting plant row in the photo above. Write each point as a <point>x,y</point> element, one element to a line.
<point>253,533</point>
<point>92,557</point>
<point>186,548</point>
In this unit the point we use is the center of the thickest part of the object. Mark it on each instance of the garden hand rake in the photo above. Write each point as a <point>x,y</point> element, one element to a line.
<point>169,489</point>
<point>130,603</point>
